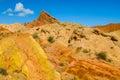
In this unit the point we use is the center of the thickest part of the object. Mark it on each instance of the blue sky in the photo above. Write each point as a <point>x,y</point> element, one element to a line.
<point>86,12</point>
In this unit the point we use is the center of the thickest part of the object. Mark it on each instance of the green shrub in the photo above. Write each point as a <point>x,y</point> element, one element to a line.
<point>19,31</point>
<point>51,39</point>
<point>63,24</point>
<point>85,51</point>
<point>61,64</point>
<point>79,48</point>
<point>35,36</point>
<point>102,55</point>
<point>68,29</point>
<point>69,45</point>
<point>75,78</point>
<point>109,60</point>
<point>3,72</point>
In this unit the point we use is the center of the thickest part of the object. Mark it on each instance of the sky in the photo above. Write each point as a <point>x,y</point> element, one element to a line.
<point>85,12</point>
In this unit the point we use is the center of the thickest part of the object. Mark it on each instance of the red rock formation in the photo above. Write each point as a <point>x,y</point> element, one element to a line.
<point>43,19</point>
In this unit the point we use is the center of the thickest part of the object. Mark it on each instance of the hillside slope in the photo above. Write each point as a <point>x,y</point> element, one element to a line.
<point>21,58</point>
<point>80,52</point>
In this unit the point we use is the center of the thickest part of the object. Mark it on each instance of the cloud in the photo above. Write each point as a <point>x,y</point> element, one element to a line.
<point>21,14</point>
<point>10,14</point>
<point>7,11</point>
<point>19,7</point>
<point>23,11</point>
<point>19,10</point>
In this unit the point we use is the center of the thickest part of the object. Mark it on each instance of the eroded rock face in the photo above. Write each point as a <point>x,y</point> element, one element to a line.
<point>21,58</point>
<point>43,19</point>
<point>79,52</point>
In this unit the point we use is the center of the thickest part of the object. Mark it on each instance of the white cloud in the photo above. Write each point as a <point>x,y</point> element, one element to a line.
<point>10,14</point>
<point>21,14</point>
<point>7,11</point>
<point>28,11</point>
<point>23,11</point>
<point>19,7</point>
<point>19,10</point>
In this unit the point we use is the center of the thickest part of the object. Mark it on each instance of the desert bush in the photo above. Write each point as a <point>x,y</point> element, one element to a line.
<point>3,72</point>
<point>109,60</point>
<point>86,51</point>
<point>68,29</point>
<point>51,39</point>
<point>69,45</point>
<point>75,78</point>
<point>102,55</point>
<point>63,24</point>
<point>35,36</point>
<point>79,48</point>
<point>19,31</point>
<point>61,64</point>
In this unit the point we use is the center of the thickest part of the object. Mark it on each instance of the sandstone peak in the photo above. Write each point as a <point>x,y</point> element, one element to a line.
<point>46,18</point>
<point>43,19</point>
<point>44,14</point>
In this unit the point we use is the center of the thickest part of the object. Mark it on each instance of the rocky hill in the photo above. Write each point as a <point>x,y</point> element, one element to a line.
<point>43,19</point>
<point>72,52</point>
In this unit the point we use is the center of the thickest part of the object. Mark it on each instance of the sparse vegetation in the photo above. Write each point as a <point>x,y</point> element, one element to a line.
<point>35,36</point>
<point>69,45</point>
<point>75,78</point>
<point>61,64</point>
<point>78,48</point>
<point>86,51</point>
<point>63,24</point>
<point>109,60</point>
<point>51,39</point>
<point>102,55</point>
<point>3,72</point>
<point>19,31</point>
<point>68,29</point>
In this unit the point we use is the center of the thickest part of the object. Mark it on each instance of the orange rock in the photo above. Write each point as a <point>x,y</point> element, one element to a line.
<point>43,19</point>
<point>109,27</point>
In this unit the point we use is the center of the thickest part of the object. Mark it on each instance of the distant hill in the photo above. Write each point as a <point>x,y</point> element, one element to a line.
<point>13,27</point>
<point>109,27</point>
